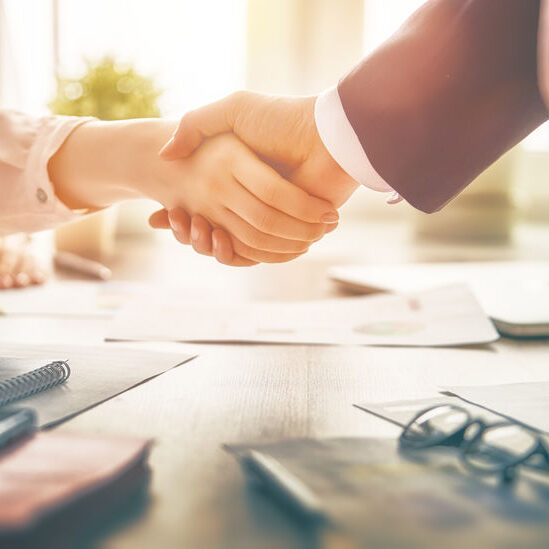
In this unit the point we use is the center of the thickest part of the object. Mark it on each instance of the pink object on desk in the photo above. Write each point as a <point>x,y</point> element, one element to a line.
<point>53,469</point>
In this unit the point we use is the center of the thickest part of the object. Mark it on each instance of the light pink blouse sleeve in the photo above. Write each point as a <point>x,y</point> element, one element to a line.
<point>27,198</point>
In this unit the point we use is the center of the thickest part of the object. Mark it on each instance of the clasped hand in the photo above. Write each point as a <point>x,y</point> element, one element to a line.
<point>268,205</point>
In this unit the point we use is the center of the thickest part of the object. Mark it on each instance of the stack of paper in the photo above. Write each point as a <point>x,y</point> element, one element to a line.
<point>514,294</point>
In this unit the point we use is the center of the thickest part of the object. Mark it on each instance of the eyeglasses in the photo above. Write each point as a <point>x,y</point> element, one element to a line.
<point>487,449</point>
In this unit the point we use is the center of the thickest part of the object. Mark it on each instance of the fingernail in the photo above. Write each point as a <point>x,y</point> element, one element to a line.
<point>195,233</point>
<point>331,217</point>
<point>167,146</point>
<point>215,244</point>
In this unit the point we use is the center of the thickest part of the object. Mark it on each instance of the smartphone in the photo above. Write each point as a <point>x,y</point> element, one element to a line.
<point>16,423</point>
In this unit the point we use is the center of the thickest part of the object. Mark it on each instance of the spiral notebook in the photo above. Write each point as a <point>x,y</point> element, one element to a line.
<point>33,379</point>
<point>96,374</point>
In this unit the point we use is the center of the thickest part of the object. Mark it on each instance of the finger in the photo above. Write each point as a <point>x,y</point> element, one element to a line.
<point>222,247</point>
<point>29,272</point>
<point>260,256</point>
<point>20,270</point>
<point>331,228</point>
<point>8,262</point>
<point>201,235</point>
<point>204,122</point>
<point>271,221</point>
<point>21,279</point>
<point>224,253</point>
<point>257,239</point>
<point>180,223</point>
<point>6,281</point>
<point>159,219</point>
<point>38,276</point>
<point>271,188</point>
<point>223,250</point>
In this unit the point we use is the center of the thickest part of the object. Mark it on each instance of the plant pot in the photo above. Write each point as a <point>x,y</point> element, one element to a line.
<point>93,236</point>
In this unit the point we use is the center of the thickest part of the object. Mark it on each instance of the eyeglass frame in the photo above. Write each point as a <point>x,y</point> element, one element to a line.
<point>457,440</point>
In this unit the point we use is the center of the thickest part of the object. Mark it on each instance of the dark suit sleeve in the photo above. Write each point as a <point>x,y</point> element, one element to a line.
<point>448,94</point>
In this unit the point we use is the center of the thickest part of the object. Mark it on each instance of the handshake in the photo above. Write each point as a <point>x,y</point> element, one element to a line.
<point>258,183</point>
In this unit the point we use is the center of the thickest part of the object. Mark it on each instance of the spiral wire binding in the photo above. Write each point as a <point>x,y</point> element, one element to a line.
<point>35,381</point>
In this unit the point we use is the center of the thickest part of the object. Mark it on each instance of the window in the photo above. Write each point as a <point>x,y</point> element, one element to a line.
<point>195,50</point>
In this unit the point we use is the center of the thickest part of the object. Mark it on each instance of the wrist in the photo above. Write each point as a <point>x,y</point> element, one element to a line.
<point>102,163</point>
<point>144,173</point>
<point>321,168</point>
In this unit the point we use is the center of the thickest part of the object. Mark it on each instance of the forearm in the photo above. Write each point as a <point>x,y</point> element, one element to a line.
<point>102,163</point>
<point>449,93</point>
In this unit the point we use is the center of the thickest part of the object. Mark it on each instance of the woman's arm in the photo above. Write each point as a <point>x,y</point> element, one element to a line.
<point>102,163</point>
<point>270,219</point>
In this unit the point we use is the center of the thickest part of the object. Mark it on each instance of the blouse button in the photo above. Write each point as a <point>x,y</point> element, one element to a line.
<point>41,194</point>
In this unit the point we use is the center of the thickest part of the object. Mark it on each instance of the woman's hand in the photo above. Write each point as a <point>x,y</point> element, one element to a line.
<point>204,239</point>
<point>198,232</point>
<point>18,266</point>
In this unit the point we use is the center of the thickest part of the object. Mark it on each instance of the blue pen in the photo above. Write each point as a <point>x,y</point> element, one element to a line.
<point>16,423</point>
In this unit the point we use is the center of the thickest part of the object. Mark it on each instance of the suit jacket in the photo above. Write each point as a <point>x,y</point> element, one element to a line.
<point>450,92</point>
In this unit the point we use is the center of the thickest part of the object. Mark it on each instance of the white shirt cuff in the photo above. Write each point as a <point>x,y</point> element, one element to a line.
<point>343,144</point>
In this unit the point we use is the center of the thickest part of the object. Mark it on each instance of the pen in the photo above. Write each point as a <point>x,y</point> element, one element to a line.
<point>73,262</point>
<point>277,480</point>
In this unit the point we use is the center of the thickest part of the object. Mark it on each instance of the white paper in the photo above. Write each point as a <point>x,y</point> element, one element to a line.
<point>438,317</point>
<point>401,412</point>
<point>527,403</point>
<point>97,374</point>
<point>514,292</point>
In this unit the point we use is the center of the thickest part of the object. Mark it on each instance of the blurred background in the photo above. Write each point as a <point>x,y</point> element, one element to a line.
<point>161,58</point>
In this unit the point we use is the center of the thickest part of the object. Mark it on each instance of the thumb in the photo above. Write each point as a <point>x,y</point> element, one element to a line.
<point>201,123</point>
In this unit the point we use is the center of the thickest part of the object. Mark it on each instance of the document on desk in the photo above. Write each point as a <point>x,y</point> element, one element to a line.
<point>70,298</point>
<point>527,403</point>
<point>97,374</point>
<point>515,294</point>
<point>438,317</point>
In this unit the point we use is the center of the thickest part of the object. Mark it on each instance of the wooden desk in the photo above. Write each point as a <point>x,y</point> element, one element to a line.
<point>236,393</point>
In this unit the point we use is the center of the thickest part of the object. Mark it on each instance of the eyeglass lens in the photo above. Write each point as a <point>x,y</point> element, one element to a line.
<point>498,446</point>
<point>436,425</point>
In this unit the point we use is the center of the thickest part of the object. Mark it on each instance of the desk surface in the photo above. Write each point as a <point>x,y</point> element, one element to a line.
<point>237,393</point>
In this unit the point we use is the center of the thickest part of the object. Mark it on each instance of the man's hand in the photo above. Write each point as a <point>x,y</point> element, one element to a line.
<point>281,130</point>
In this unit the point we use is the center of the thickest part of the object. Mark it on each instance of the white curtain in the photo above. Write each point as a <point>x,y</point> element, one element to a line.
<point>26,56</point>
